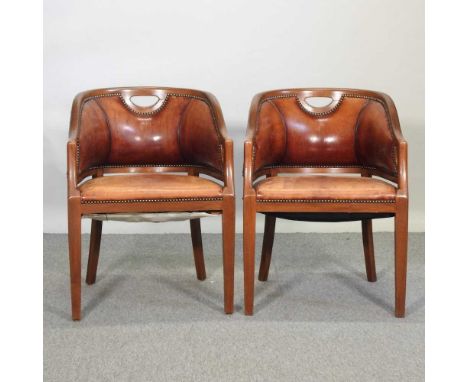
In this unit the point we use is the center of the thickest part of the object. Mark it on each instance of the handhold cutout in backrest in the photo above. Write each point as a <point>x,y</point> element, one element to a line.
<point>319,102</point>
<point>316,102</point>
<point>144,101</point>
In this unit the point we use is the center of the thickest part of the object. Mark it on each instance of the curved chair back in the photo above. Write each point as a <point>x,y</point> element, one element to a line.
<point>113,131</point>
<point>351,129</point>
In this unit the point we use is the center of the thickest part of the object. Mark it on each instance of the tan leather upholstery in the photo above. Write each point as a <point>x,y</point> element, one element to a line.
<point>353,130</point>
<point>148,187</point>
<point>112,131</point>
<point>322,187</point>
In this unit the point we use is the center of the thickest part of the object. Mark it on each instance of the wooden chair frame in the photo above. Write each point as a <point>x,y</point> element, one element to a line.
<point>76,209</point>
<point>251,206</point>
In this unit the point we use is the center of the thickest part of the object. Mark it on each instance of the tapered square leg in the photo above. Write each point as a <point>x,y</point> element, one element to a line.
<point>94,247</point>
<point>368,243</point>
<point>74,248</point>
<point>401,249</point>
<point>249,254</point>
<point>267,247</point>
<point>229,218</point>
<point>197,244</point>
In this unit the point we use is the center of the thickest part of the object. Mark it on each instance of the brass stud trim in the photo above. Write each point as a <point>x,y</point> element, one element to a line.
<point>172,200</point>
<point>144,165</point>
<point>322,166</point>
<point>325,201</point>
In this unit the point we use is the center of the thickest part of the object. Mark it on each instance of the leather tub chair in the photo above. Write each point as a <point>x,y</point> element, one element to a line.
<point>119,156</point>
<point>342,160</point>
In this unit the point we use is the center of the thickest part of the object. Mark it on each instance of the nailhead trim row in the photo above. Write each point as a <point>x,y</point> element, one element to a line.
<point>349,95</point>
<point>322,166</point>
<point>175,200</point>
<point>213,116</point>
<point>323,201</point>
<point>156,165</point>
<point>144,165</point>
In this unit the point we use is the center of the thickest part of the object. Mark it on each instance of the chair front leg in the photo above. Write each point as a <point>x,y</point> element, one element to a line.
<point>229,224</point>
<point>94,247</point>
<point>74,248</point>
<point>368,243</point>
<point>197,244</point>
<point>401,249</point>
<point>268,238</point>
<point>249,254</point>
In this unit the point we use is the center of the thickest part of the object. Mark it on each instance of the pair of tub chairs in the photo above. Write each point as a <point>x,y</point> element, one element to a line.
<point>344,159</point>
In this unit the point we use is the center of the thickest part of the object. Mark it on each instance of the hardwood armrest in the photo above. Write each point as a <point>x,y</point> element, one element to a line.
<point>228,167</point>
<point>72,153</point>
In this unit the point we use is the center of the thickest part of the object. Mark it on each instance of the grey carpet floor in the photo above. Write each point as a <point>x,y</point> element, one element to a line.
<point>148,318</point>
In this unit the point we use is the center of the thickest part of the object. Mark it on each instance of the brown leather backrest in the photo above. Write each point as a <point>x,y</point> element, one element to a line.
<point>353,130</point>
<point>179,129</point>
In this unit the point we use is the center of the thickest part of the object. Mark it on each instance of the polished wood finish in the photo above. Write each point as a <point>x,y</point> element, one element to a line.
<point>94,247</point>
<point>401,250</point>
<point>267,247</point>
<point>182,132</point>
<point>249,253</point>
<point>368,243</point>
<point>74,252</point>
<point>195,232</point>
<point>229,217</point>
<point>357,133</point>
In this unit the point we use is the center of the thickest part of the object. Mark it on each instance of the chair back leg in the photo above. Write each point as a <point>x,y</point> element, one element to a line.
<point>94,247</point>
<point>267,247</point>
<point>368,243</point>
<point>197,244</point>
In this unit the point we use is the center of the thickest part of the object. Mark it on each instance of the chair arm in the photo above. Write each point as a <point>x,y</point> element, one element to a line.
<point>72,170</point>
<point>228,146</point>
<point>402,177</point>
<point>248,168</point>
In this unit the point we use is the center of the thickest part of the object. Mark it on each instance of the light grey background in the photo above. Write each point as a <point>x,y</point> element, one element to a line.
<point>234,50</point>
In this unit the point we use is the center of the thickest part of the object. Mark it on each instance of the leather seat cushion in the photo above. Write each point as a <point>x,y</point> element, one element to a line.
<point>322,187</point>
<point>148,186</point>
